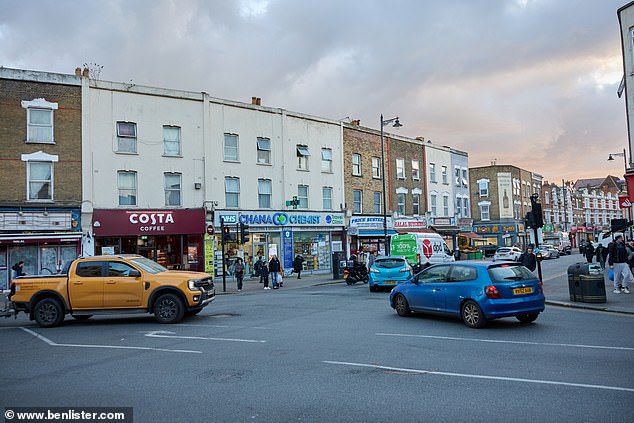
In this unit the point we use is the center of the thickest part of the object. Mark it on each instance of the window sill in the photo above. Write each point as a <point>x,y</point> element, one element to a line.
<point>231,161</point>
<point>39,142</point>
<point>263,164</point>
<point>376,177</point>
<point>129,153</point>
<point>40,200</point>
<point>328,172</point>
<point>176,156</point>
<point>357,175</point>
<point>302,170</point>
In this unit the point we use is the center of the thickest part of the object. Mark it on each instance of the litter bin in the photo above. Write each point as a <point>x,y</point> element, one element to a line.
<point>586,283</point>
<point>337,268</point>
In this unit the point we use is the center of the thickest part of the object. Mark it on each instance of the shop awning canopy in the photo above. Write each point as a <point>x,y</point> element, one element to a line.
<point>446,229</point>
<point>375,232</point>
<point>471,235</point>
<point>418,230</point>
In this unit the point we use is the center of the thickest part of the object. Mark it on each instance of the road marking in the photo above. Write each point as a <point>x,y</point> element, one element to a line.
<point>117,347</point>
<point>224,326</point>
<point>554,276</point>
<point>493,341</point>
<point>172,335</point>
<point>474,376</point>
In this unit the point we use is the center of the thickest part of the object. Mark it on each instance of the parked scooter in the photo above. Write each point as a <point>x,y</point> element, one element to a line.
<point>355,272</point>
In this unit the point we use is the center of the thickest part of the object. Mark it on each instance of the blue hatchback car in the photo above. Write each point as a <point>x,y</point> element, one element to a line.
<point>388,271</point>
<point>476,291</point>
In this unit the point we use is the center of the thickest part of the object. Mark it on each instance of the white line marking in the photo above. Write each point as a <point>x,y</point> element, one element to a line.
<point>493,341</point>
<point>117,347</point>
<point>510,379</point>
<point>171,335</point>
<point>224,326</point>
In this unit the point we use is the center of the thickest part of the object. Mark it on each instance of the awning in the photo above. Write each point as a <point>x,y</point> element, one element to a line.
<point>471,235</point>
<point>375,232</point>
<point>417,230</point>
<point>31,238</point>
<point>446,229</point>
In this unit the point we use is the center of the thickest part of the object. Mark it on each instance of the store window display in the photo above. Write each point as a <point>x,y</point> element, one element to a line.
<point>315,248</point>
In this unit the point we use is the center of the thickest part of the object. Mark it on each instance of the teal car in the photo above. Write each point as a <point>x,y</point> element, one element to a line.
<point>388,271</point>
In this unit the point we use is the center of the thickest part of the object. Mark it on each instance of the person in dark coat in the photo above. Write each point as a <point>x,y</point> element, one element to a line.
<point>18,269</point>
<point>274,269</point>
<point>298,265</point>
<point>238,270</point>
<point>589,252</point>
<point>528,259</point>
<point>599,253</point>
<point>264,275</point>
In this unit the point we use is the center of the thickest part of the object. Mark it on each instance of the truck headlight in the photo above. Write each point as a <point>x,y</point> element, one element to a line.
<point>191,284</point>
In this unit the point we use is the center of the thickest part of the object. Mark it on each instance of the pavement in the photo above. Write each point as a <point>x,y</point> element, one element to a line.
<point>555,288</point>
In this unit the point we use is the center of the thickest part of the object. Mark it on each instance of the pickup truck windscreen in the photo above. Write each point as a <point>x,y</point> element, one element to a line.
<point>149,265</point>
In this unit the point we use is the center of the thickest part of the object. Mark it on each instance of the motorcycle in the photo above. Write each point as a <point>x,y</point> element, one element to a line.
<point>355,273</point>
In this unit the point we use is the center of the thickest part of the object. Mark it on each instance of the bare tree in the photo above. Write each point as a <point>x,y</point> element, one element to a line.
<point>94,70</point>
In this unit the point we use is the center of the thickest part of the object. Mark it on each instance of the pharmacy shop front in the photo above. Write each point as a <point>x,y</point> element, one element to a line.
<point>313,235</point>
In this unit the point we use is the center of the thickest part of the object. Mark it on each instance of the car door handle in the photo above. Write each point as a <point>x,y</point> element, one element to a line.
<point>111,282</point>
<point>436,290</point>
<point>78,283</point>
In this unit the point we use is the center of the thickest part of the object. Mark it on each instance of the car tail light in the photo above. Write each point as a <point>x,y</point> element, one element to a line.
<point>406,269</point>
<point>492,292</point>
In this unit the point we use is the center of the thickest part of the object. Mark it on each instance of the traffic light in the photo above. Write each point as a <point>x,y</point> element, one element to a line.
<point>244,233</point>
<point>226,233</point>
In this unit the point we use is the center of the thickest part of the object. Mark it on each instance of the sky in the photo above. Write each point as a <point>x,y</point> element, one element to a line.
<point>531,83</point>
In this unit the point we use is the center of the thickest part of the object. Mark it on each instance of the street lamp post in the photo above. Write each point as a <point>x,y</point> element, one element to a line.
<point>396,124</point>
<point>624,155</point>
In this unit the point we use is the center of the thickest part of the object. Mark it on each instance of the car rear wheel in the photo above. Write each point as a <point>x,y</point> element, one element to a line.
<point>472,315</point>
<point>48,313</point>
<point>527,317</point>
<point>401,305</point>
<point>168,308</point>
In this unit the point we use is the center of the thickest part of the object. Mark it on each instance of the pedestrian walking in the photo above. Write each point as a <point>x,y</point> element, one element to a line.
<point>618,262</point>
<point>257,268</point>
<point>371,259</point>
<point>589,252</point>
<point>264,275</point>
<point>298,265</point>
<point>274,269</point>
<point>582,247</point>
<point>238,270</point>
<point>599,253</point>
<point>528,258</point>
<point>18,269</point>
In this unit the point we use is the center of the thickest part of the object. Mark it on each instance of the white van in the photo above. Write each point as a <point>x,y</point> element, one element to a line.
<point>421,248</point>
<point>604,238</point>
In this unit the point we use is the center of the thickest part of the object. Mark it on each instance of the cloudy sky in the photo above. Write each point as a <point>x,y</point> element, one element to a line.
<point>526,82</point>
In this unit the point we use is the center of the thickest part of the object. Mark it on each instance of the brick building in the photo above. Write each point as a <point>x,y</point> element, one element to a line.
<point>40,152</point>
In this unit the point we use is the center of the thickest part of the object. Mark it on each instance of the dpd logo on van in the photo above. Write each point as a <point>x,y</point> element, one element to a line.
<point>427,248</point>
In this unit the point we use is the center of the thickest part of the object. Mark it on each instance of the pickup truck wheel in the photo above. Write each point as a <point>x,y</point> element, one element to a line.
<point>168,308</point>
<point>48,313</point>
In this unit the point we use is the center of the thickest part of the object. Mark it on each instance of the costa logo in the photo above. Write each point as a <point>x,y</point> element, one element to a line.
<point>151,218</point>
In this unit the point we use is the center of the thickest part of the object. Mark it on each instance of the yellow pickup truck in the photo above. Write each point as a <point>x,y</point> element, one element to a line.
<point>113,284</point>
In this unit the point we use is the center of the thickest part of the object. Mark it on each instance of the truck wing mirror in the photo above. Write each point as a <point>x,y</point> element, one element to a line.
<point>134,273</point>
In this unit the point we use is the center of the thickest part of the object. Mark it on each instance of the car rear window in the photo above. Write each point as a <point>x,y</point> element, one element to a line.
<point>390,263</point>
<point>509,273</point>
<point>503,250</point>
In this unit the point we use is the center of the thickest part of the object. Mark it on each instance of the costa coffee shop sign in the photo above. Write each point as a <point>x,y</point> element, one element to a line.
<point>148,222</point>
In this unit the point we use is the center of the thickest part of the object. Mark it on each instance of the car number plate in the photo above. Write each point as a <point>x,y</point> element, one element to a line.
<point>389,282</point>
<point>520,291</point>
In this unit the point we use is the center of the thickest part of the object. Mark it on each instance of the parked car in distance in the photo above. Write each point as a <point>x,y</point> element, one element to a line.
<point>507,253</point>
<point>547,252</point>
<point>388,271</point>
<point>475,291</point>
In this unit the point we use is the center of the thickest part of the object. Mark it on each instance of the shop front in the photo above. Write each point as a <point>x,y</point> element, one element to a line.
<point>45,239</point>
<point>285,234</point>
<point>366,233</point>
<point>172,238</point>
<point>446,227</point>
<point>502,234</point>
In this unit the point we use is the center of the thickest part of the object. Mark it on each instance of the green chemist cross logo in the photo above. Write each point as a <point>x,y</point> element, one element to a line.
<point>294,202</point>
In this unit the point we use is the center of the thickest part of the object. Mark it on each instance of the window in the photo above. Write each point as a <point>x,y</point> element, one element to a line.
<point>126,182</point>
<point>445,205</point>
<point>118,269</point>
<point>433,204</point>
<point>172,189</point>
<point>89,269</point>
<point>264,193</point>
<point>484,212</point>
<point>445,176</point>
<point>416,204</point>
<point>432,172</point>
<point>458,206</point>
<point>171,140</point>
<point>326,160</point>
<point>126,137</point>
<point>483,186</point>
<point>457,176</point>
<point>326,193</point>
<point>400,199</point>
<point>302,157</point>
<point>415,170</point>
<point>400,168</point>
<point>302,196</point>
<point>232,191</point>
<point>39,120</point>
<point>465,207</point>
<point>357,201</point>
<point>376,168</point>
<point>264,151</point>
<point>40,177</point>
<point>463,274</point>
<point>356,164</point>
<point>377,202</point>
<point>231,147</point>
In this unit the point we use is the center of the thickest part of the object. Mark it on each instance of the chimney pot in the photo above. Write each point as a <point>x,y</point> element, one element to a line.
<point>77,71</point>
<point>259,101</point>
<point>86,72</point>
<point>254,100</point>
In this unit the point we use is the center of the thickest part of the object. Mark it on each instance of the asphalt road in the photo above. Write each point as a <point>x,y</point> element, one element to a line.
<point>332,353</point>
